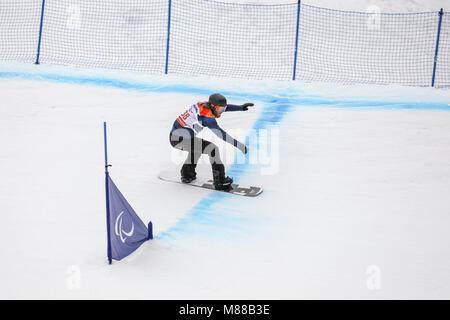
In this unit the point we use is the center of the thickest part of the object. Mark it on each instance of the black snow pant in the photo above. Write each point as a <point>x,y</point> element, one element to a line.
<point>195,148</point>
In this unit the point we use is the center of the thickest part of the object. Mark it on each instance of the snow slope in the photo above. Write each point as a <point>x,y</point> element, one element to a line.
<point>362,184</point>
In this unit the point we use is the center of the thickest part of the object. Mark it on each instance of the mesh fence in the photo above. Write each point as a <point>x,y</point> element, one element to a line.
<point>115,34</point>
<point>366,47</point>
<point>443,62</point>
<point>19,29</point>
<point>205,37</point>
<point>235,40</point>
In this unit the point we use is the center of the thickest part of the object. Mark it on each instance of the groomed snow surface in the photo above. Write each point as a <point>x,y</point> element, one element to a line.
<point>355,204</point>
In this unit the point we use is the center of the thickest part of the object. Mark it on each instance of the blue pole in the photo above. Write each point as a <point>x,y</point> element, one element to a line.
<point>40,33</point>
<point>150,231</point>
<point>107,195</point>
<point>168,35</point>
<point>441,13</point>
<point>296,39</point>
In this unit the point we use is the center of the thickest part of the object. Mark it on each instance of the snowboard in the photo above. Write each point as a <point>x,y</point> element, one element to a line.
<point>203,182</point>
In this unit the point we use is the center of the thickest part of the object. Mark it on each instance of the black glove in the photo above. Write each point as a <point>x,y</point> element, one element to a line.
<point>243,148</point>
<point>246,105</point>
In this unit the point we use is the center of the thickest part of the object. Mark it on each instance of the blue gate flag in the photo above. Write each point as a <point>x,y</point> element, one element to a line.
<point>126,230</point>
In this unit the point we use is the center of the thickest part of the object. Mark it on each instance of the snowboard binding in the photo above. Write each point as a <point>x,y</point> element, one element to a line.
<point>221,182</point>
<point>188,173</point>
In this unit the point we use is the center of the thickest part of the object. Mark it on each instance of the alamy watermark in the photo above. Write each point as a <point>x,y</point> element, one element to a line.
<point>73,280</point>
<point>373,280</point>
<point>262,146</point>
<point>73,17</point>
<point>374,18</point>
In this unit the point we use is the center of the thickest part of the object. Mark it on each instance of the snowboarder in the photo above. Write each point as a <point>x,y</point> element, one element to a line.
<point>183,137</point>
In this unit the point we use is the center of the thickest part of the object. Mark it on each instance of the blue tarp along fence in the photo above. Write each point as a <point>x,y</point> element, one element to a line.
<point>201,37</point>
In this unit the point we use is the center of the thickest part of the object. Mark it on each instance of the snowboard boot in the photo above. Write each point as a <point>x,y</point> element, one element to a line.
<point>188,173</point>
<point>220,181</point>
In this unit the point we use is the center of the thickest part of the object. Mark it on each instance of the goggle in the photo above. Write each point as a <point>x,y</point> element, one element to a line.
<point>220,108</point>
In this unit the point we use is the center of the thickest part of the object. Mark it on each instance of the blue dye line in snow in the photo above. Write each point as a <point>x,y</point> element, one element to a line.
<point>297,99</point>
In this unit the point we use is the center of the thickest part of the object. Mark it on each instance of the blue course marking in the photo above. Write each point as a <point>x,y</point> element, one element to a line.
<point>297,99</point>
<point>199,220</point>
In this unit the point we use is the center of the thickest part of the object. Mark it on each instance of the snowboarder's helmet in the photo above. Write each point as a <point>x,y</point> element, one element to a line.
<point>217,99</point>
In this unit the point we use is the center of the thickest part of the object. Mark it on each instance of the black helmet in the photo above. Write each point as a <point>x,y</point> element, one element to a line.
<point>218,100</point>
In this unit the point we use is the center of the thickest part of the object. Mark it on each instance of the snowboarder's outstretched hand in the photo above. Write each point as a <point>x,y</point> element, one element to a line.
<point>246,105</point>
<point>243,148</point>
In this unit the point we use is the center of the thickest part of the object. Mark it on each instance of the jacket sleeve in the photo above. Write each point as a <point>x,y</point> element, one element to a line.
<point>233,107</point>
<point>211,123</point>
